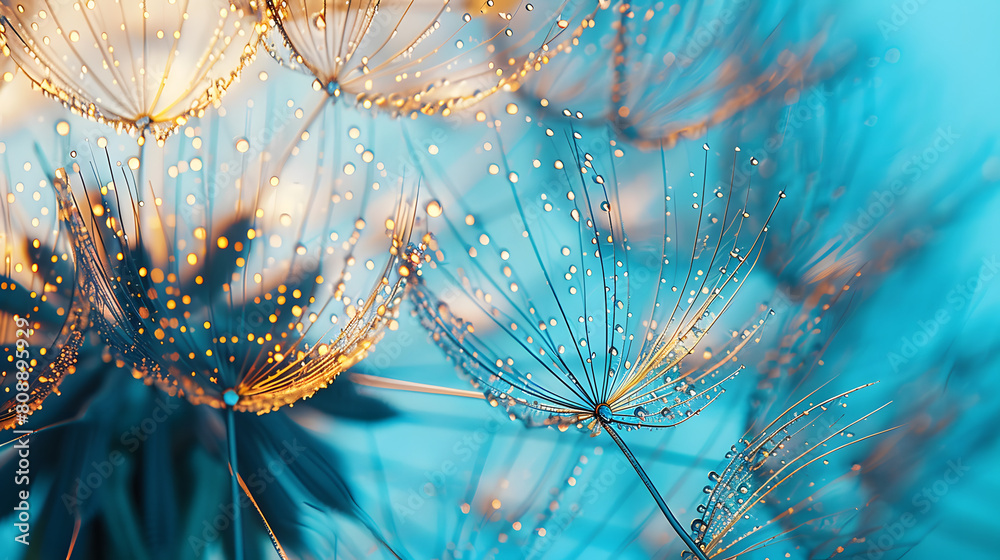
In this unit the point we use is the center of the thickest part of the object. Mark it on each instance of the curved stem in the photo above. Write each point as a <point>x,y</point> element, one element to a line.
<point>656,494</point>
<point>234,487</point>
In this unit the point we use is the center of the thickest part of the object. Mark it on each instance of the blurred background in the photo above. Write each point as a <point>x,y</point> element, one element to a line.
<point>873,116</point>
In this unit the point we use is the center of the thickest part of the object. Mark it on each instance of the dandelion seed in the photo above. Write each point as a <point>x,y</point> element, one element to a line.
<point>147,335</point>
<point>271,310</point>
<point>409,58</point>
<point>613,378</point>
<point>769,469</point>
<point>42,313</point>
<point>662,72</point>
<point>177,77</point>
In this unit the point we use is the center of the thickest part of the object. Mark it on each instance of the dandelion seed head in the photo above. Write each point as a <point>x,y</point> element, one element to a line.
<point>103,82</point>
<point>414,61</point>
<point>252,304</point>
<point>602,366</point>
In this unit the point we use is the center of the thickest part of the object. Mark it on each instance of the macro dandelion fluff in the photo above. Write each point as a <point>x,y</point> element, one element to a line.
<point>257,260</point>
<point>583,343</point>
<point>933,402</point>
<point>42,314</point>
<point>142,67</point>
<point>769,491</point>
<point>249,299</point>
<point>662,71</point>
<point>430,56</point>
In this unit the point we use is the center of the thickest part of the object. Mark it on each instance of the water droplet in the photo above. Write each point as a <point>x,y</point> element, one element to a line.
<point>434,209</point>
<point>319,20</point>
